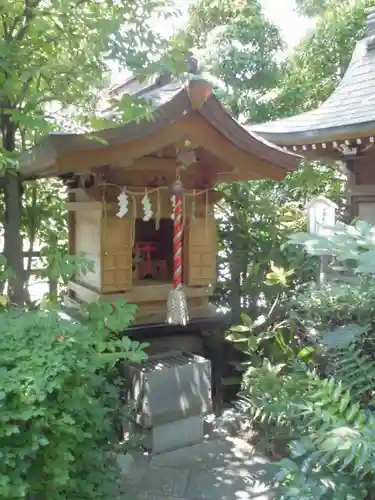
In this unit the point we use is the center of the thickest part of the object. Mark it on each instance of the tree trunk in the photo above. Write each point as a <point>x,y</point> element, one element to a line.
<point>13,218</point>
<point>13,238</point>
<point>236,268</point>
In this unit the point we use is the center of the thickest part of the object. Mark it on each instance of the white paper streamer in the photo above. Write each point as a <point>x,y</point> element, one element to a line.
<point>147,207</point>
<point>123,204</point>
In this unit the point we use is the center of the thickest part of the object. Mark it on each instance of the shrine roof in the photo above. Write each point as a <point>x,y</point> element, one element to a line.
<point>349,113</point>
<point>172,102</point>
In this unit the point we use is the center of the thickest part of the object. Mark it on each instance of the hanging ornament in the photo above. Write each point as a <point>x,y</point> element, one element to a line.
<point>123,204</point>
<point>177,312</point>
<point>187,156</point>
<point>147,207</point>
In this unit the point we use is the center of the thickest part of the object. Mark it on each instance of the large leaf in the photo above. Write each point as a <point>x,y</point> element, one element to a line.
<point>366,262</point>
<point>314,244</point>
<point>342,336</point>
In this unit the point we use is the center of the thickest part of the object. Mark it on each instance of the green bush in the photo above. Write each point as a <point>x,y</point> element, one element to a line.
<point>57,405</point>
<point>334,304</point>
<point>315,387</point>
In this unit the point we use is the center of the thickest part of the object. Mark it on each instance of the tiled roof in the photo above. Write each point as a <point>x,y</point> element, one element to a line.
<point>172,102</point>
<point>348,112</point>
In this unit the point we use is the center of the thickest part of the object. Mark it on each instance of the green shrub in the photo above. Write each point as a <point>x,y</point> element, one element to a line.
<point>57,406</point>
<point>316,390</point>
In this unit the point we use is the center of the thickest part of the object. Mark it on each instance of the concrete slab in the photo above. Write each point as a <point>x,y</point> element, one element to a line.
<point>133,472</point>
<point>230,484</point>
<point>164,481</point>
<point>209,454</point>
<point>218,469</point>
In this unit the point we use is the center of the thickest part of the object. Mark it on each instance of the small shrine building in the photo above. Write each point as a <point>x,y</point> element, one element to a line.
<point>342,129</point>
<point>125,182</point>
<point>141,207</point>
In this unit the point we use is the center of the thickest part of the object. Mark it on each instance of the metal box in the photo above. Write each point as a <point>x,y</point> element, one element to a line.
<point>168,388</point>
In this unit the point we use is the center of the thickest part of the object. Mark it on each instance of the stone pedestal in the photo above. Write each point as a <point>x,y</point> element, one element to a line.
<point>174,435</point>
<point>168,396</point>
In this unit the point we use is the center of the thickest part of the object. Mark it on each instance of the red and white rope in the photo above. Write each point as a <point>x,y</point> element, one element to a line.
<point>177,243</point>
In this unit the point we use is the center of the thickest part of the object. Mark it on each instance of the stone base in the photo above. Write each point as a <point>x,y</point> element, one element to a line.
<point>171,436</point>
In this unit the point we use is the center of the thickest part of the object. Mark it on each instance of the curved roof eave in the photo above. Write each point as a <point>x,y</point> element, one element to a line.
<point>348,113</point>
<point>344,132</point>
<point>172,102</point>
<point>247,139</point>
<point>42,157</point>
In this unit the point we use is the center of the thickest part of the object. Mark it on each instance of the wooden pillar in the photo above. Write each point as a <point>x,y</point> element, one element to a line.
<point>361,189</point>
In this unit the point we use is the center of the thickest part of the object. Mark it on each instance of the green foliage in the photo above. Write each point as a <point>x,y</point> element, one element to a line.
<point>334,458</point>
<point>319,63</point>
<point>313,373</point>
<point>44,215</point>
<point>59,54</point>
<point>254,223</point>
<point>334,304</point>
<point>61,394</point>
<point>310,380</point>
<point>61,266</point>
<point>108,317</point>
<point>352,246</point>
<point>238,48</point>
<point>248,253</point>
<point>5,272</point>
<point>311,8</point>
<point>58,408</point>
<point>55,61</point>
<point>256,217</point>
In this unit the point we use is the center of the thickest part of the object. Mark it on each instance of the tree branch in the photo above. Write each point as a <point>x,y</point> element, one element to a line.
<point>24,91</point>
<point>25,19</point>
<point>5,28</point>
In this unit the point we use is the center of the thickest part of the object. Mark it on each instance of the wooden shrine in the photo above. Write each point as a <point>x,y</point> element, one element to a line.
<point>122,190</point>
<point>342,129</point>
<point>133,258</point>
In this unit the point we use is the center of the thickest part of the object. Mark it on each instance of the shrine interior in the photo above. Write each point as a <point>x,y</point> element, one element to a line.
<point>153,251</point>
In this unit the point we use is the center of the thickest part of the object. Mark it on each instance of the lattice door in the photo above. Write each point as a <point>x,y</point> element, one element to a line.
<point>117,254</point>
<point>200,252</point>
